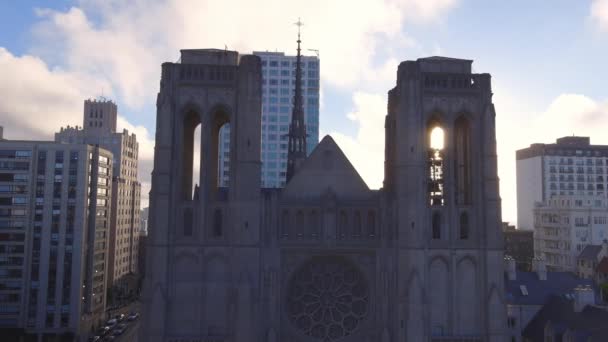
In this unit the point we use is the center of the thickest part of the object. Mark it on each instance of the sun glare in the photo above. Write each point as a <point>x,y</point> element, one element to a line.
<point>437,138</point>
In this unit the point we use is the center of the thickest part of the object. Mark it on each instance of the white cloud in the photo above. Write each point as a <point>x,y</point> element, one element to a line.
<point>36,101</point>
<point>117,47</point>
<point>599,13</point>
<point>133,38</point>
<point>366,150</point>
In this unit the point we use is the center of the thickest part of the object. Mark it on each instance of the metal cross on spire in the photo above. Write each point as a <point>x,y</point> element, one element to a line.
<point>299,24</point>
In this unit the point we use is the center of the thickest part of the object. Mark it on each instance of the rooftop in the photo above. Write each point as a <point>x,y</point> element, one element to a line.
<point>590,252</point>
<point>538,291</point>
<point>558,312</point>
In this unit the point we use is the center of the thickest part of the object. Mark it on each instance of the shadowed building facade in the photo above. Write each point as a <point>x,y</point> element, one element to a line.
<point>325,258</point>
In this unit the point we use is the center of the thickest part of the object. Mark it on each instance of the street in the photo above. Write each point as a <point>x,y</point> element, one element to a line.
<point>130,335</point>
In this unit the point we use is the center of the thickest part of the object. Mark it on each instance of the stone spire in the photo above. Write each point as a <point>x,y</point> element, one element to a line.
<point>297,129</point>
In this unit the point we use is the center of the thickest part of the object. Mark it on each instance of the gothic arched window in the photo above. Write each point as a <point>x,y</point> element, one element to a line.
<point>313,223</point>
<point>462,136</point>
<point>357,224</point>
<point>285,223</point>
<point>435,163</point>
<point>436,226</point>
<point>300,223</point>
<point>371,223</point>
<point>343,223</point>
<point>464,226</point>
<point>217,223</point>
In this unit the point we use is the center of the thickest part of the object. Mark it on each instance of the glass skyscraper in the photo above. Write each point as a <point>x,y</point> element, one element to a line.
<point>278,84</point>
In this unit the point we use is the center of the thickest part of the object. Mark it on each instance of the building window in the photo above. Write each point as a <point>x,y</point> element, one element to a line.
<point>217,223</point>
<point>435,164</point>
<point>436,225</point>
<point>464,226</point>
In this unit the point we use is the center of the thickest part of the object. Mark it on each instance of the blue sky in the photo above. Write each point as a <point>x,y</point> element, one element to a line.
<point>547,60</point>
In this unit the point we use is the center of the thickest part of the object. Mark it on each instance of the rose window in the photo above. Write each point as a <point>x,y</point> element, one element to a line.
<point>327,298</point>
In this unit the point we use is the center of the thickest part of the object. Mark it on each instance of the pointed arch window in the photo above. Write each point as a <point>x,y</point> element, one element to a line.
<point>343,223</point>
<point>436,226</point>
<point>300,223</point>
<point>188,222</point>
<point>285,224</point>
<point>190,158</point>
<point>462,161</point>
<point>435,164</point>
<point>217,223</point>
<point>313,223</point>
<point>357,224</point>
<point>464,226</point>
<point>371,224</point>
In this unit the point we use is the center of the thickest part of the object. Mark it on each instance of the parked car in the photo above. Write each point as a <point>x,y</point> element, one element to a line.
<point>95,338</point>
<point>118,331</point>
<point>120,317</point>
<point>109,338</point>
<point>133,316</point>
<point>111,323</point>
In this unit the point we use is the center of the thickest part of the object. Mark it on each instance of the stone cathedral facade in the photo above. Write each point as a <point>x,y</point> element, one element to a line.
<point>325,259</point>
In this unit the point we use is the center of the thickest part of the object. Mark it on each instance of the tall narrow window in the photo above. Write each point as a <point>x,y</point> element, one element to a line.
<point>190,158</point>
<point>343,223</point>
<point>462,161</point>
<point>357,224</point>
<point>300,223</point>
<point>285,224</point>
<point>313,223</point>
<point>435,165</point>
<point>219,122</point>
<point>464,226</point>
<point>217,223</point>
<point>436,226</point>
<point>188,222</point>
<point>371,224</point>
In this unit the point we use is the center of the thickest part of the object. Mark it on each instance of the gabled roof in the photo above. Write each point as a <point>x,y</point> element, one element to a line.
<point>602,267</point>
<point>538,291</point>
<point>590,252</point>
<point>327,169</point>
<point>559,313</point>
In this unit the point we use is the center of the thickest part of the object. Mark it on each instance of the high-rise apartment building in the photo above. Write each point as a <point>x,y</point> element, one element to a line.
<point>278,87</point>
<point>564,225</point>
<point>99,128</point>
<point>54,218</point>
<point>571,166</point>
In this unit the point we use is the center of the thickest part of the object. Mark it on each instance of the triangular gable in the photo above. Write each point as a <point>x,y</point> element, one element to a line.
<point>326,169</point>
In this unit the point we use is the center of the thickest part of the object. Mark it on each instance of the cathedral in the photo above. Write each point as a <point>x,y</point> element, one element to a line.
<point>324,259</point>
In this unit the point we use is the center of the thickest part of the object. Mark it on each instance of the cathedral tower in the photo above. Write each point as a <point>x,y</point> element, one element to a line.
<point>440,173</point>
<point>199,236</point>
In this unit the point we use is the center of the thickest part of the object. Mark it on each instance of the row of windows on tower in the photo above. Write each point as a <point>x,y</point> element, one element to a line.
<point>463,226</point>
<point>96,114</point>
<point>95,124</point>
<point>307,224</point>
